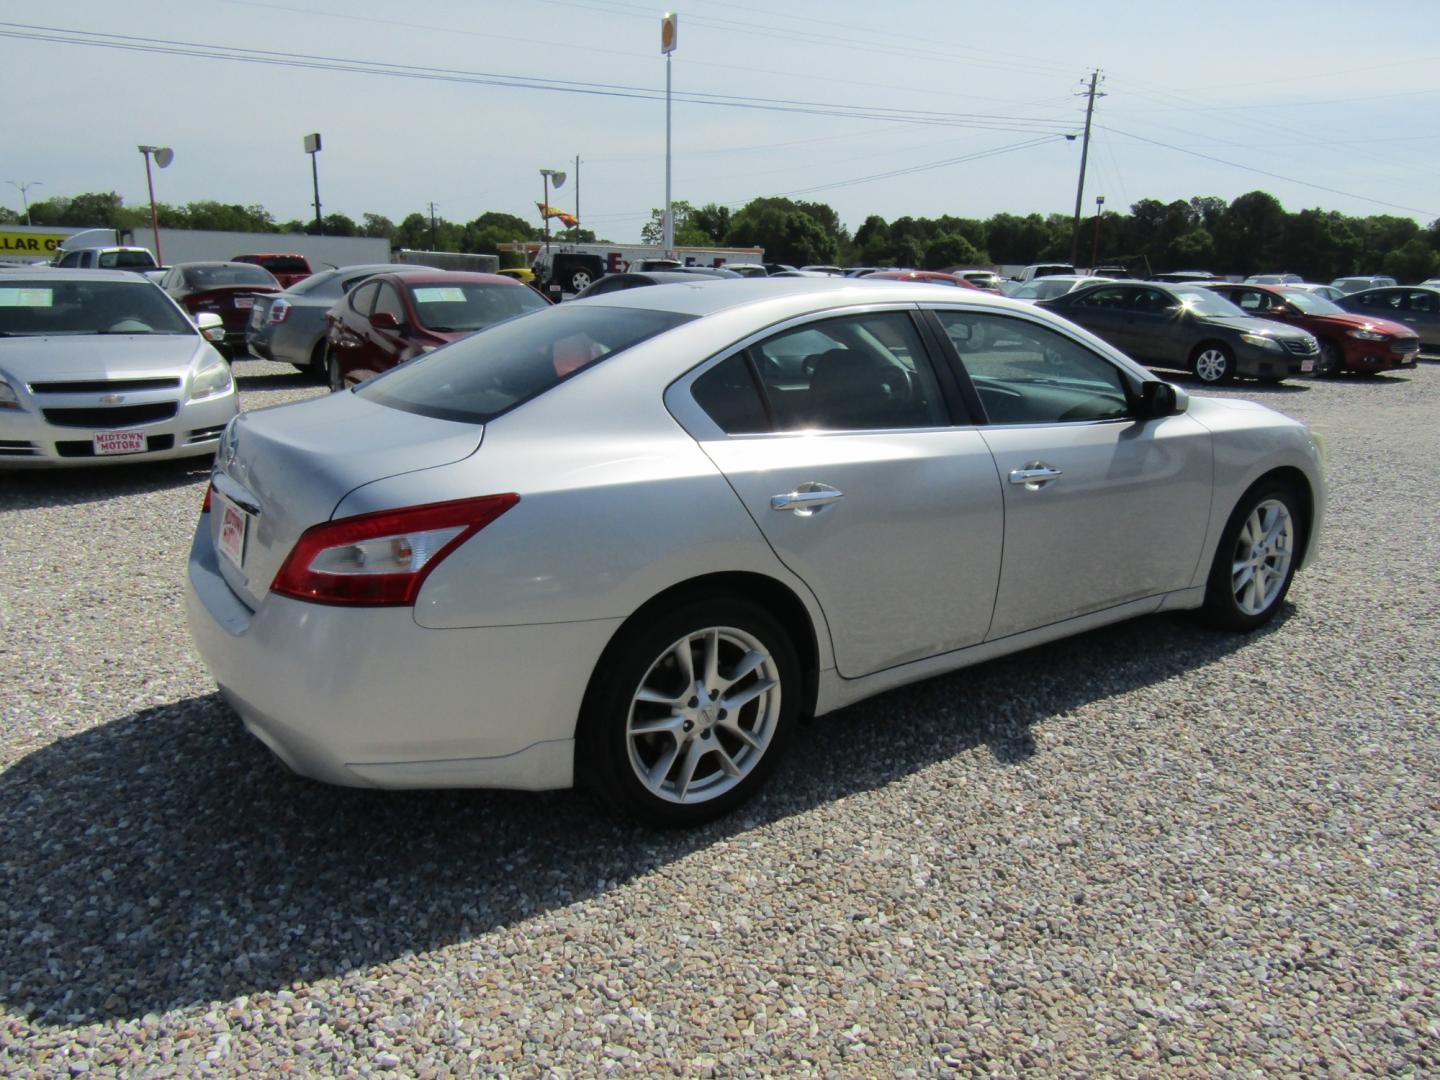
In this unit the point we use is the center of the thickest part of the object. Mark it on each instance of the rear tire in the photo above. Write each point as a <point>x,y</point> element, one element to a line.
<point>333,374</point>
<point>1255,560</point>
<point>580,280</point>
<point>319,362</point>
<point>689,711</point>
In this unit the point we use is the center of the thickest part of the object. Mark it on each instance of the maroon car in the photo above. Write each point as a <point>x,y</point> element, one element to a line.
<point>286,268</point>
<point>227,289</point>
<point>392,318</point>
<point>1348,342</point>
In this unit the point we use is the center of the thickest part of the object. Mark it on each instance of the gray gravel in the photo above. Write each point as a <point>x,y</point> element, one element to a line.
<point>1150,850</point>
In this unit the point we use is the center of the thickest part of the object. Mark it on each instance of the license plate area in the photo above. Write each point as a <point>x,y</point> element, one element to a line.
<point>1307,366</point>
<point>107,443</point>
<point>234,530</point>
<point>244,302</point>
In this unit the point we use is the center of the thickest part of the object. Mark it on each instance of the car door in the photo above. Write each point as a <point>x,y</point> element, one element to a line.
<point>387,346</point>
<point>836,436</point>
<point>349,323</point>
<point>1103,312</point>
<point>1422,314</point>
<point>1101,508</point>
<point>1155,326</point>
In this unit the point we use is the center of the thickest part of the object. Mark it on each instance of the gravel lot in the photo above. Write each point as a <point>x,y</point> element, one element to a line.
<point>1150,850</point>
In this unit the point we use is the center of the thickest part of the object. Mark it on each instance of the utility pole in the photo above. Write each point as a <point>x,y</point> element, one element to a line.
<point>577,196</point>
<point>1084,155</point>
<point>434,244</point>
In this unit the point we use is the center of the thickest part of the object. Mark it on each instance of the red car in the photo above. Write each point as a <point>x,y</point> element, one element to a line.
<point>1348,342</point>
<point>392,318</point>
<point>287,269</point>
<point>936,276</point>
<point>226,288</point>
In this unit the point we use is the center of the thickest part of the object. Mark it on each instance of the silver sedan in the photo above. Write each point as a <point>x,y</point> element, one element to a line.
<point>629,542</point>
<point>100,366</point>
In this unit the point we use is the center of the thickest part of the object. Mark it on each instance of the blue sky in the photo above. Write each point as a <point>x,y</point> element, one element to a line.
<point>922,108</point>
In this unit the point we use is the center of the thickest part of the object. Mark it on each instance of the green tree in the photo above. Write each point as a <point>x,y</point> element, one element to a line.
<point>377,226</point>
<point>1415,260</point>
<point>952,249</point>
<point>1251,234</point>
<point>712,219</point>
<point>687,233</point>
<point>787,234</point>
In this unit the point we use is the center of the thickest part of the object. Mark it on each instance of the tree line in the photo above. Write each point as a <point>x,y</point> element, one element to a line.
<point>1251,233</point>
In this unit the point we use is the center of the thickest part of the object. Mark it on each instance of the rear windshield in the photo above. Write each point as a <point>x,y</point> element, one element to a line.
<point>470,305</point>
<point>481,376</point>
<point>283,264</point>
<point>223,275</point>
<point>46,308</point>
<point>123,260</point>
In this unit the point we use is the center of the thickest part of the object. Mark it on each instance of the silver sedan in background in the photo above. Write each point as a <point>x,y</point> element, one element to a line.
<point>100,366</point>
<point>629,542</point>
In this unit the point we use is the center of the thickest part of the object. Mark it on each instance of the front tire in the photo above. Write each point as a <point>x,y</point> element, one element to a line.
<point>689,711</point>
<point>1213,363</point>
<point>1331,361</point>
<point>1255,561</point>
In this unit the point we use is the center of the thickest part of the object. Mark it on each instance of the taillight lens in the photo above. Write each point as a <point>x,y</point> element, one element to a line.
<point>279,311</point>
<point>205,506</point>
<point>382,559</point>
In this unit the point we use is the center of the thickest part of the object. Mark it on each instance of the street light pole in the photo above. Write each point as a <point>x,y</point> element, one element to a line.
<point>163,156</point>
<point>23,188</point>
<point>669,31</point>
<point>312,147</point>
<point>1095,248</point>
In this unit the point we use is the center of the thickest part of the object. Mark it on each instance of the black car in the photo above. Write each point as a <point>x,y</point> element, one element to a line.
<point>633,279</point>
<point>1189,328</point>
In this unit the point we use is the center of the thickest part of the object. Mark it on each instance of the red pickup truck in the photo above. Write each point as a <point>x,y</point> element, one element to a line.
<point>286,269</point>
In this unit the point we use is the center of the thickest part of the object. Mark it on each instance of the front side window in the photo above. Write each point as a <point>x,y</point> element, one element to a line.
<point>1421,301</point>
<point>1120,297</point>
<point>1029,374</point>
<point>859,372</point>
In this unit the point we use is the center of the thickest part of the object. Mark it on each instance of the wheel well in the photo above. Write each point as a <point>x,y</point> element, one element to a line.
<point>1298,482</point>
<point>1216,342</point>
<point>778,599</point>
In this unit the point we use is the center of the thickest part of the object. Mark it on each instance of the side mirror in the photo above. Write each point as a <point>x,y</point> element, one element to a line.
<point>384,320</point>
<point>1162,399</point>
<point>211,327</point>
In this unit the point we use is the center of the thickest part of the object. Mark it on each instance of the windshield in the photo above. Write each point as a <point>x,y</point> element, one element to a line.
<point>1312,303</point>
<point>228,275</point>
<point>38,308</point>
<point>481,376</point>
<point>472,305</point>
<point>1200,301</point>
<point>1043,289</point>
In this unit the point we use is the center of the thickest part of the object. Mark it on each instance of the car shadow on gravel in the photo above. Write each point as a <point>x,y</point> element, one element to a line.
<point>273,380</point>
<point>28,490</point>
<point>166,859</point>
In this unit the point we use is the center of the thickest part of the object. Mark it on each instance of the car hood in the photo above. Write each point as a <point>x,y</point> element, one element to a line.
<point>98,356</point>
<point>1348,321</point>
<point>1250,324</point>
<point>291,466</point>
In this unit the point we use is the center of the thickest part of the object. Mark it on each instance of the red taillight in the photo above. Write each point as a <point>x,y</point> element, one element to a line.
<point>382,559</point>
<point>205,506</point>
<point>279,311</point>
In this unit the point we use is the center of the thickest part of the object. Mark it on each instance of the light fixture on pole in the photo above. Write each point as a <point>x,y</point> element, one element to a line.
<point>669,37</point>
<point>23,188</point>
<point>559,178</point>
<point>1095,248</point>
<point>312,147</point>
<point>163,156</point>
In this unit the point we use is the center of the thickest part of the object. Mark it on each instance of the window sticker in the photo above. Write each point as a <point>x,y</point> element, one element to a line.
<point>27,297</point>
<point>439,294</point>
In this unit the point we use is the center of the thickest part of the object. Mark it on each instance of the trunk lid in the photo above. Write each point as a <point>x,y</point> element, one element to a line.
<point>283,470</point>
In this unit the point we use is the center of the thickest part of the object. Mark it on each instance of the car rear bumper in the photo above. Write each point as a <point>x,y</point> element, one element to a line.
<point>366,697</point>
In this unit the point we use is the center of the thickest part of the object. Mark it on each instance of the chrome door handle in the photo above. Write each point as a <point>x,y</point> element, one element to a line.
<point>1035,475</point>
<point>806,499</point>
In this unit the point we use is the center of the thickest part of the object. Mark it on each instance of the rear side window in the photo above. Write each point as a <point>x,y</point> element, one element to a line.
<point>489,373</point>
<point>730,397</point>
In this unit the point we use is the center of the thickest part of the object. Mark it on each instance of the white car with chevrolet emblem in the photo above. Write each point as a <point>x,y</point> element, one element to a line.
<point>100,366</point>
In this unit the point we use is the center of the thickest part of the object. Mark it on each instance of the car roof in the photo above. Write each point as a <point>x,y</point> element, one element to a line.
<point>423,276</point>
<point>127,277</point>
<point>705,296</point>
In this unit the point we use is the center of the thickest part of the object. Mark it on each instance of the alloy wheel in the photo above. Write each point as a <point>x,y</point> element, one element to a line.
<point>703,715</point>
<point>1212,366</point>
<point>1263,551</point>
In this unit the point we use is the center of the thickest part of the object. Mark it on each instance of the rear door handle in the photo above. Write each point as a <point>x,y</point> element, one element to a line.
<point>806,499</point>
<point>1035,475</point>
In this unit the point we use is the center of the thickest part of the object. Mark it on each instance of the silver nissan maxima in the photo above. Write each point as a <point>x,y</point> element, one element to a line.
<point>629,542</point>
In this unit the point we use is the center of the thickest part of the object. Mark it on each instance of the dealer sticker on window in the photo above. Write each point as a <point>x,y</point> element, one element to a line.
<point>234,528</point>
<point>119,442</point>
